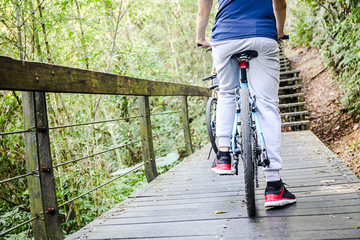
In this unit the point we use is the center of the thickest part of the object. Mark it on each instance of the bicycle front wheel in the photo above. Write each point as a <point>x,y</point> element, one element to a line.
<point>211,121</point>
<point>246,151</point>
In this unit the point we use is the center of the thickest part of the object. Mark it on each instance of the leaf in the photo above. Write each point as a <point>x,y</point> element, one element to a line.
<point>328,181</point>
<point>220,212</point>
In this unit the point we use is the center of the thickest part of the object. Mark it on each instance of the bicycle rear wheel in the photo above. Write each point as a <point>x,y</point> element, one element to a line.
<point>247,153</point>
<point>211,121</point>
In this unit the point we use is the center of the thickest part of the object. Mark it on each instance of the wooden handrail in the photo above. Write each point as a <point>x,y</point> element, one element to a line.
<point>36,76</point>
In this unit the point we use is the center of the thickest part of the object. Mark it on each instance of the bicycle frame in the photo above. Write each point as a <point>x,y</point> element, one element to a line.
<point>243,83</point>
<point>247,140</point>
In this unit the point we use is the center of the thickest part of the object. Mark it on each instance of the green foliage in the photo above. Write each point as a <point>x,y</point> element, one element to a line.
<point>333,26</point>
<point>13,195</point>
<point>146,39</point>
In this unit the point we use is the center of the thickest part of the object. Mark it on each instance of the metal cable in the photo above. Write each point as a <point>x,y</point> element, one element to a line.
<point>20,225</point>
<point>92,155</point>
<point>102,185</point>
<point>15,132</point>
<point>97,122</point>
<point>18,177</point>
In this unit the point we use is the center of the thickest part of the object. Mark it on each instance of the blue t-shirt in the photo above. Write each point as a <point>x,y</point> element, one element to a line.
<point>237,19</point>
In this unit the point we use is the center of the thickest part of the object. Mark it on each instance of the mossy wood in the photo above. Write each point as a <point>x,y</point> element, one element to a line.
<point>36,76</point>
<point>41,184</point>
<point>147,139</point>
<point>32,165</point>
<point>186,125</point>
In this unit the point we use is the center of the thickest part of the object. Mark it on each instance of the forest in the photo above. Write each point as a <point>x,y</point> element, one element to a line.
<point>152,40</point>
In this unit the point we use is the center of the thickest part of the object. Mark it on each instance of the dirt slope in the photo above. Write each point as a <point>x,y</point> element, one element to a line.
<point>329,121</point>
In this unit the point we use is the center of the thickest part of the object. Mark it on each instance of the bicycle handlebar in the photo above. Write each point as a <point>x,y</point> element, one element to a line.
<point>209,78</point>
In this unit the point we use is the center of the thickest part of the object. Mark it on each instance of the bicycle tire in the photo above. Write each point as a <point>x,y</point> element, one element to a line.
<point>247,151</point>
<point>211,121</point>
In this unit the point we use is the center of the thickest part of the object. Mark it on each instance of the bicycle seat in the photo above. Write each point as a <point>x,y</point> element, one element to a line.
<point>248,53</point>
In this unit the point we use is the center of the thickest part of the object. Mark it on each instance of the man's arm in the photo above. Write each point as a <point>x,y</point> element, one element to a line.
<point>280,15</point>
<point>202,22</point>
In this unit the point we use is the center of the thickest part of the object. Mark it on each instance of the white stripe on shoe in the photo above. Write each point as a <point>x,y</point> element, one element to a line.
<point>279,203</point>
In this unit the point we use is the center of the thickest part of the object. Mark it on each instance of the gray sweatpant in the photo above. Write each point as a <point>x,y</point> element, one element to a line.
<point>263,83</point>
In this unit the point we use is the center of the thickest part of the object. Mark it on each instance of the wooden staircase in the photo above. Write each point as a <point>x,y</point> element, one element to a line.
<point>294,116</point>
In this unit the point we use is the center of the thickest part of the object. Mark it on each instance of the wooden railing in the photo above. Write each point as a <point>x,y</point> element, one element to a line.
<point>34,79</point>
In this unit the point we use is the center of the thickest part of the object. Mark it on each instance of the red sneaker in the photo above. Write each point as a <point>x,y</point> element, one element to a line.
<point>222,164</point>
<point>277,195</point>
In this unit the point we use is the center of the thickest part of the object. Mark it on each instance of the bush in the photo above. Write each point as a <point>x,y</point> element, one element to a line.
<point>333,26</point>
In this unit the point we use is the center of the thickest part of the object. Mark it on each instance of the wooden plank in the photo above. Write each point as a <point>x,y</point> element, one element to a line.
<point>184,214</point>
<point>285,226</point>
<point>42,77</point>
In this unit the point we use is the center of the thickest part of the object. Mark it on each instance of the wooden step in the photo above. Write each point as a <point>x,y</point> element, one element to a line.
<point>288,105</point>
<point>292,124</point>
<point>284,69</point>
<point>285,66</point>
<point>290,87</point>
<point>294,114</point>
<point>282,96</point>
<point>291,73</point>
<point>293,79</point>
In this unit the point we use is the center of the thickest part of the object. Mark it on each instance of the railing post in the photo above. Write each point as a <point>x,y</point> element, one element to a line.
<point>186,126</point>
<point>41,184</point>
<point>147,140</point>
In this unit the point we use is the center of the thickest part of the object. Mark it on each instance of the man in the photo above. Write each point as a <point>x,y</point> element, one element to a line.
<point>248,25</point>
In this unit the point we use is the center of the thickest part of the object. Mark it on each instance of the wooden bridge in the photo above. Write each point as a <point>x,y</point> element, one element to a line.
<point>189,201</point>
<point>192,202</point>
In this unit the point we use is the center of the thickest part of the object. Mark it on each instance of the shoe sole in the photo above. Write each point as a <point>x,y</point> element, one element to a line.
<point>279,203</point>
<point>224,172</point>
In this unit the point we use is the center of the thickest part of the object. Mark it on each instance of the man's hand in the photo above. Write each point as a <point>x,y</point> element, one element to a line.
<point>204,43</point>
<point>202,22</point>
